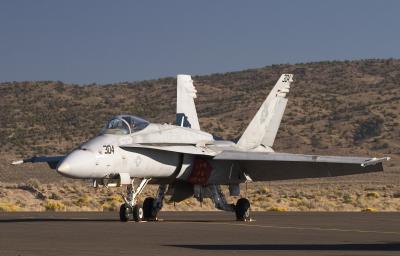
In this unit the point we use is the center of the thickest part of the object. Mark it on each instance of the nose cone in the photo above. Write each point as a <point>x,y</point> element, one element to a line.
<point>78,164</point>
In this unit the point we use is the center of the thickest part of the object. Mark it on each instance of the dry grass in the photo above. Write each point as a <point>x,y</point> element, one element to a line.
<point>369,209</point>
<point>9,207</point>
<point>278,209</point>
<point>276,196</point>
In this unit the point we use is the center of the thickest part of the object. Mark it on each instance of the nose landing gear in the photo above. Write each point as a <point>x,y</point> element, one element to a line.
<point>131,210</point>
<point>126,213</point>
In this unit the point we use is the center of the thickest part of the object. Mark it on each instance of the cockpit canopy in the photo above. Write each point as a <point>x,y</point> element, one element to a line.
<point>125,124</point>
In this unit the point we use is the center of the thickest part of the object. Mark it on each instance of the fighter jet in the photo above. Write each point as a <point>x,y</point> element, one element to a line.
<point>186,161</point>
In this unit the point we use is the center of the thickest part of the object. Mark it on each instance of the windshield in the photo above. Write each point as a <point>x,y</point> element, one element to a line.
<point>135,123</point>
<point>117,126</point>
<point>125,125</point>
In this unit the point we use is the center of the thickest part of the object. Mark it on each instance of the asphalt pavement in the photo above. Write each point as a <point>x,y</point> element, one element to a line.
<point>200,233</point>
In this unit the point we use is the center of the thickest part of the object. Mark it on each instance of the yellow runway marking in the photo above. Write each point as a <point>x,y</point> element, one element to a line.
<point>296,228</point>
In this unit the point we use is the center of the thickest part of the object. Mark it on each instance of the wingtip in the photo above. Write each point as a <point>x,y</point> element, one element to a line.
<point>17,162</point>
<point>375,160</point>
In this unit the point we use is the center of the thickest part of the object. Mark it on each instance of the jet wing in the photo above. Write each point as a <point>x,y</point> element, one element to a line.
<point>261,166</point>
<point>52,161</point>
<point>178,148</point>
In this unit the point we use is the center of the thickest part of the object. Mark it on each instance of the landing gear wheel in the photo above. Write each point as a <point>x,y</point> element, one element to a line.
<point>137,213</point>
<point>148,213</point>
<point>124,213</point>
<point>242,209</point>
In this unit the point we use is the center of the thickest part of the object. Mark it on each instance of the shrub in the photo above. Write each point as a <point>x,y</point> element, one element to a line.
<point>54,205</point>
<point>34,183</point>
<point>263,190</point>
<point>372,195</point>
<point>368,128</point>
<point>115,198</point>
<point>83,200</point>
<point>347,199</point>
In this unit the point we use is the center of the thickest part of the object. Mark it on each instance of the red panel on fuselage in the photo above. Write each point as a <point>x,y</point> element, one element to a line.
<point>201,171</point>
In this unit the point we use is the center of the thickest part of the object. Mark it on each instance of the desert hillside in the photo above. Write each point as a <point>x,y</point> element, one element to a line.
<point>337,107</point>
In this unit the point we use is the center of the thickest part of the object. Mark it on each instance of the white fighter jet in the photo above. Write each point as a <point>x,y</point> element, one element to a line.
<point>185,161</point>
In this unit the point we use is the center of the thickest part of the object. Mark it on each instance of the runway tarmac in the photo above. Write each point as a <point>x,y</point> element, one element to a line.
<point>200,233</point>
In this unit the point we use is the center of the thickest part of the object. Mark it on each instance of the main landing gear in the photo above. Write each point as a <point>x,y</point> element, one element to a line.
<point>241,209</point>
<point>152,206</point>
<point>132,210</point>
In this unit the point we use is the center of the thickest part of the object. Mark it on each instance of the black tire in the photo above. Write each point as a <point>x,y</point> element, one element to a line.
<point>148,208</point>
<point>124,213</point>
<point>137,213</point>
<point>242,209</point>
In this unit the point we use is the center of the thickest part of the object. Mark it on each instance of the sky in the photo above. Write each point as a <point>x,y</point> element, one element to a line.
<point>103,42</point>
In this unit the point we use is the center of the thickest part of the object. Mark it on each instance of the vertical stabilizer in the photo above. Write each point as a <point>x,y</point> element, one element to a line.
<point>186,115</point>
<point>264,126</point>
